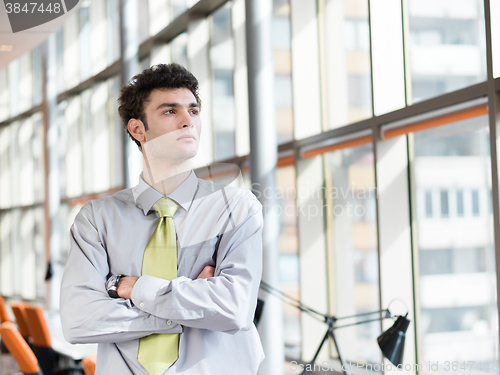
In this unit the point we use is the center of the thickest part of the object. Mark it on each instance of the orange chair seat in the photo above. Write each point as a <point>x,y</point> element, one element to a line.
<point>18,308</point>
<point>88,364</point>
<point>4,316</point>
<point>19,349</point>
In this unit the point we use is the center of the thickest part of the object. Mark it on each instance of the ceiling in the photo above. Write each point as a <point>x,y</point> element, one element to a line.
<point>24,41</point>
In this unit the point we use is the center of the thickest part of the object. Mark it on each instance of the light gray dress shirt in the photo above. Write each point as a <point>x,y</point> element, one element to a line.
<point>213,316</point>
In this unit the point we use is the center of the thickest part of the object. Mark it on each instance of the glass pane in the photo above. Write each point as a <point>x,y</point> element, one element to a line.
<point>159,15</point>
<point>282,70</point>
<point>40,253</point>
<point>179,50</point>
<point>6,253</point>
<point>347,39</point>
<point>26,254</point>
<point>62,84</point>
<point>100,138</point>
<point>116,133</point>
<point>37,76</point>
<point>5,167</point>
<point>84,41</point>
<point>447,46</point>
<point>99,36</point>
<point>73,149</point>
<point>222,64</point>
<point>289,257</point>
<point>4,95</point>
<point>25,163</point>
<point>352,220</point>
<point>113,26</point>
<point>71,58</point>
<point>178,7</point>
<point>457,278</point>
<point>387,56</point>
<point>495,35</point>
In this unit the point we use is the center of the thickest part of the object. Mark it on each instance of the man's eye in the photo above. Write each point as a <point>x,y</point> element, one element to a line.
<point>194,111</point>
<point>170,111</point>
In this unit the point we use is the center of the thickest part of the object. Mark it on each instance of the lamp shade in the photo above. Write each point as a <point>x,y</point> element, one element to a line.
<point>392,341</point>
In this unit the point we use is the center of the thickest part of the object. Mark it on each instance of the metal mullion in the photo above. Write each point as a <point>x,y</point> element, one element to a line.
<point>406,60</point>
<point>494,110</point>
<point>463,95</point>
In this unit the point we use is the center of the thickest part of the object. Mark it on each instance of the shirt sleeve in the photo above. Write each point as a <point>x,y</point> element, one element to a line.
<point>225,302</point>
<point>88,314</point>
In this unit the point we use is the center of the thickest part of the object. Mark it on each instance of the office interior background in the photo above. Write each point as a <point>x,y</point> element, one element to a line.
<point>387,118</point>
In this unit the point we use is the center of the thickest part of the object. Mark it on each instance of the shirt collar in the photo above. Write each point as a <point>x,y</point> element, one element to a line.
<point>145,196</point>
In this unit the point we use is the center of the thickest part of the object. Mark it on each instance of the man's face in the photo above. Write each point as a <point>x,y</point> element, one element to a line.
<point>174,125</point>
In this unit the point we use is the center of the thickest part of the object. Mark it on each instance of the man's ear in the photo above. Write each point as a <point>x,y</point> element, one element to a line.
<point>136,128</point>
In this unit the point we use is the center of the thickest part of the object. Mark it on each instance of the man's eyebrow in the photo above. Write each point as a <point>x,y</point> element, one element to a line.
<point>176,105</point>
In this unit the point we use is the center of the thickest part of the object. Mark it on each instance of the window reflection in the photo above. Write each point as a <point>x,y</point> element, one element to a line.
<point>289,258</point>
<point>281,35</point>
<point>495,36</point>
<point>457,287</point>
<point>178,7</point>
<point>447,46</point>
<point>352,221</point>
<point>222,63</point>
<point>179,50</point>
<point>348,70</point>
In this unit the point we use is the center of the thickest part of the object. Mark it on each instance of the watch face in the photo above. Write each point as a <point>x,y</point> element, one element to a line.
<point>111,282</point>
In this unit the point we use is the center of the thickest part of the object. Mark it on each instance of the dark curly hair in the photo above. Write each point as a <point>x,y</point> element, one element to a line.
<point>135,95</point>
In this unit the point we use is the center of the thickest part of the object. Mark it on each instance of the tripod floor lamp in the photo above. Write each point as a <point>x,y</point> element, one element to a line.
<point>391,342</point>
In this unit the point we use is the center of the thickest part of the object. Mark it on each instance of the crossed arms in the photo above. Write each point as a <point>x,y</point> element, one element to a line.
<point>150,305</point>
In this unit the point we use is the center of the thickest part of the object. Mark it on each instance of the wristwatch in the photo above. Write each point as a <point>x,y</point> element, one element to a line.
<point>112,284</point>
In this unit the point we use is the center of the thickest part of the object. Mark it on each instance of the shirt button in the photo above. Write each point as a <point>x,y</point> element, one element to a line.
<point>169,322</point>
<point>141,304</point>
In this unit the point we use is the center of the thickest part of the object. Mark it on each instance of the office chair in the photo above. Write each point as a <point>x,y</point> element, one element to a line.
<point>19,349</point>
<point>41,344</point>
<point>19,310</point>
<point>4,316</point>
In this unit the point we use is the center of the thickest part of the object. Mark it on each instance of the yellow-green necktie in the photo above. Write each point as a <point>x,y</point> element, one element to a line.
<point>157,352</point>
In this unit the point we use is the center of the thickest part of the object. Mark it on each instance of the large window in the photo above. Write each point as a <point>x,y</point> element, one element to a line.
<point>348,67</point>
<point>282,70</point>
<point>22,234</point>
<point>457,278</point>
<point>289,258</point>
<point>222,63</point>
<point>447,46</point>
<point>350,193</point>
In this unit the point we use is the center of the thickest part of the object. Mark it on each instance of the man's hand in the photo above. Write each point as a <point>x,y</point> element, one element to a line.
<point>207,272</point>
<point>125,286</point>
<point>127,283</point>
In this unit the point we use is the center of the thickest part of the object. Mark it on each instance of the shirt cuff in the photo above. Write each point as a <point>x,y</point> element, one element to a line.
<point>143,297</point>
<point>145,291</point>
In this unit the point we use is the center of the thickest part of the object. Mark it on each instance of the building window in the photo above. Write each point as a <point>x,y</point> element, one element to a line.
<point>445,210</point>
<point>447,46</point>
<point>428,204</point>
<point>475,202</point>
<point>458,308</point>
<point>352,221</point>
<point>460,203</point>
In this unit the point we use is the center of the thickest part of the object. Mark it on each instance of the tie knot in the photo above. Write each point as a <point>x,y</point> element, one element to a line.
<point>165,207</point>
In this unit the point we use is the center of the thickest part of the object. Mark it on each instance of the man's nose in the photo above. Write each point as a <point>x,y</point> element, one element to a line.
<point>186,120</point>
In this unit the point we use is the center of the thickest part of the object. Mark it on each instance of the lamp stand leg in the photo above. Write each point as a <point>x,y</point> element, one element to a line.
<point>330,332</point>
<point>344,365</point>
<point>305,372</point>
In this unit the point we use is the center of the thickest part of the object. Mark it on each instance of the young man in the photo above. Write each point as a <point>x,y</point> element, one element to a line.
<point>141,278</point>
